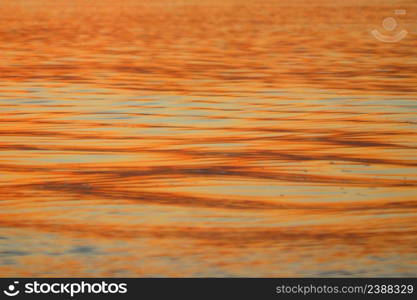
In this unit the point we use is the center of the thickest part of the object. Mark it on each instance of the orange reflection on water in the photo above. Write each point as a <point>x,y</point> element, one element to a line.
<point>209,138</point>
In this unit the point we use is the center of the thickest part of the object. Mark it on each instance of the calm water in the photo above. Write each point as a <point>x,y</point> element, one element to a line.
<point>207,138</point>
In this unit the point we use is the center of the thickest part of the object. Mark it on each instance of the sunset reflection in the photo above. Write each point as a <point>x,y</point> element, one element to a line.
<point>207,139</point>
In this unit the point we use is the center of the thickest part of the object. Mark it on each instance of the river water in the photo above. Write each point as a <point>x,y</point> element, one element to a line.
<point>207,138</point>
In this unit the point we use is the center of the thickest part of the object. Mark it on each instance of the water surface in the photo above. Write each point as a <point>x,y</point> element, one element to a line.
<point>207,138</point>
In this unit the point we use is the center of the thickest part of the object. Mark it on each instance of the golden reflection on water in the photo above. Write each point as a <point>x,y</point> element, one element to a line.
<point>206,138</point>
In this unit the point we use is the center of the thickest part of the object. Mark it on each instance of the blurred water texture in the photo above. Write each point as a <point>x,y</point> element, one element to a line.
<point>207,138</point>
